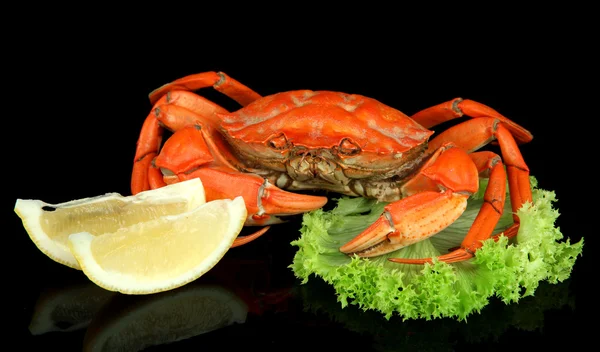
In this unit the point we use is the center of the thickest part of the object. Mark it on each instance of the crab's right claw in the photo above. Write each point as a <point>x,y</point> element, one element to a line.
<point>271,201</point>
<point>186,155</point>
<point>265,202</point>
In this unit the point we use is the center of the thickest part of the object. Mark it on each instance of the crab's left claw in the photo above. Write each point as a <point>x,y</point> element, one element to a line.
<point>408,221</point>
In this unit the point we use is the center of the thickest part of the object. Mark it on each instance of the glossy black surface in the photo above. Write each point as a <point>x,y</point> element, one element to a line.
<point>77,134</point>
<point>281,313</point>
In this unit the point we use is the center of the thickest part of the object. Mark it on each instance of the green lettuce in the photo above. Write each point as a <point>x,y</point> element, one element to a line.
<point>507,269</point>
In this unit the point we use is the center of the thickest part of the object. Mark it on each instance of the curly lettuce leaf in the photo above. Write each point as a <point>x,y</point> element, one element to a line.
<point>507,269</point>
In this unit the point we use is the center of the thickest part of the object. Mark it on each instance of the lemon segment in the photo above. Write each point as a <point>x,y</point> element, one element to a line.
<point>49,225</point>
<point>163,253</point>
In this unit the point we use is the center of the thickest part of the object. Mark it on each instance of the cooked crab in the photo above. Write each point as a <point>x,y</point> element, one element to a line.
<point>344,143</point>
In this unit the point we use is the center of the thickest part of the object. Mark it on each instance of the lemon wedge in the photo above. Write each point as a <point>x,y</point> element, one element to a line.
<point>163,253</point>
<point>49,225</point>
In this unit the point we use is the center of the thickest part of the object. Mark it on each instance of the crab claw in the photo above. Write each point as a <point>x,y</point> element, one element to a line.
<point>374,240</point>
<point>265,202</point>
<point>406,222</point>
<point>277,202</point>
<point>187,155</point>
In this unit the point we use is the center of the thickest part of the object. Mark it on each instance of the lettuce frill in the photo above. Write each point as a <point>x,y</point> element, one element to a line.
<point>507,269</point>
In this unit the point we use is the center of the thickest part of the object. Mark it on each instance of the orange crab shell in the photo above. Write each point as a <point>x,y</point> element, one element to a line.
<point>322,120</point>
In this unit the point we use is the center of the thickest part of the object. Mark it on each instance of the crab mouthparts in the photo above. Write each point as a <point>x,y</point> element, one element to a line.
<point>309,166</point>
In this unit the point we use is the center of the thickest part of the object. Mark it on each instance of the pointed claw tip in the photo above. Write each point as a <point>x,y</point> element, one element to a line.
<point>347,248</point>
<point>373,241</point>
<point>280,202</point>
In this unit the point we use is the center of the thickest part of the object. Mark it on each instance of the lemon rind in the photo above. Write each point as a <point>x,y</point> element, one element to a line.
<point>30,211</point>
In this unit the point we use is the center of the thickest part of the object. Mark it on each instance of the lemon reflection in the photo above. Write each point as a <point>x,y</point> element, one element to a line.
<point>67,309</point>
<point>226,295</point>
<point>131,323</point>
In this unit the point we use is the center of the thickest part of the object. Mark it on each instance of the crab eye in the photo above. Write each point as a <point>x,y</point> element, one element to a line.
<point>349,147</point>
<point>278,142</point>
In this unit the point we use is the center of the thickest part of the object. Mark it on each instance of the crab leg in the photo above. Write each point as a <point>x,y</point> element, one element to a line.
<point>218,80</point>
<point>177,93</point>
<point>518,181</point>
<point>489,129</point>
<point>458,107</point>
<point>485,161</point>
<point>150,139</point>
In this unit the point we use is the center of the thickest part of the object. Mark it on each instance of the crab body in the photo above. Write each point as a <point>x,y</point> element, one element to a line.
<point>333,141</point>
<point>344,143</point>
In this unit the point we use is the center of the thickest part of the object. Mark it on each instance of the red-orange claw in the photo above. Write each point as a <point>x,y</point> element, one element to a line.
<point>482,226</point>
<point>407,221</point>
<point>264,201</point>
<point>366,243</point>
<point>275,201</point>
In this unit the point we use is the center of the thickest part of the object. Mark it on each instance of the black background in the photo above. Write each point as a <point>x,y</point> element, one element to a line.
<point>78,104</point>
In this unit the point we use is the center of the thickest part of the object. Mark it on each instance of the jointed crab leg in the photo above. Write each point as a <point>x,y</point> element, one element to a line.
<point>177,93</point>
<point>485,161</point>
<point>218,80</point>
<point>489,129</point>
<point>194,108</point>
<point>459,107</point>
